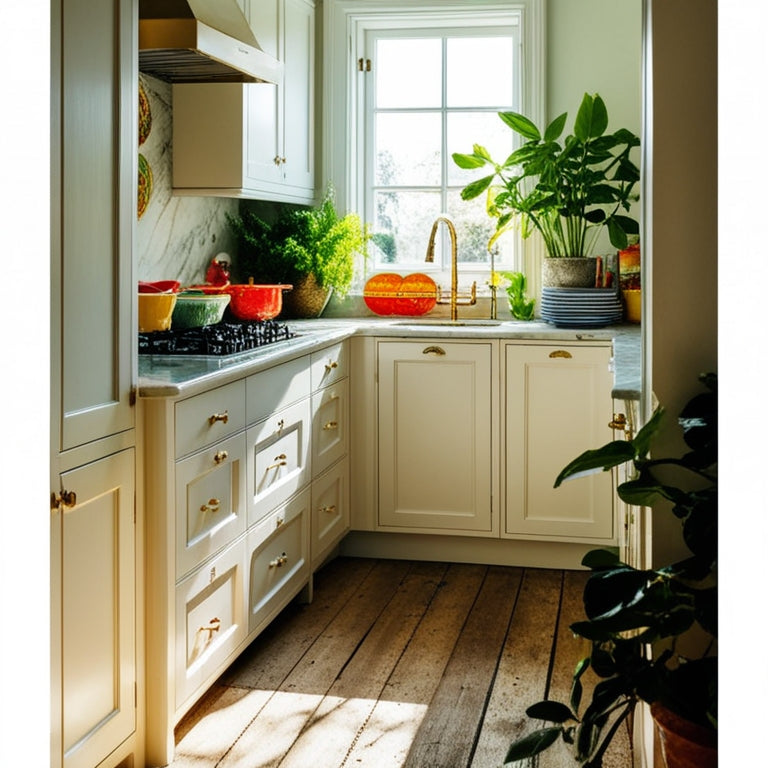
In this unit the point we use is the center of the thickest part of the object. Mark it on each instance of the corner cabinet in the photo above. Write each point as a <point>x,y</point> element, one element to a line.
<point>246,495</point>
<point>436,414</point>
<point>558,404</point>
<point>96,654</point>
<point>253,140</point>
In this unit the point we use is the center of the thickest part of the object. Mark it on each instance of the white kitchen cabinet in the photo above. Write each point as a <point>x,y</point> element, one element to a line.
<point>96,528</point>
<point>94,535</point>
<point>557,400</point>
<point>253,140</point>
<point>435,440</point>
<point>330,511</point>
<point>229,484</point>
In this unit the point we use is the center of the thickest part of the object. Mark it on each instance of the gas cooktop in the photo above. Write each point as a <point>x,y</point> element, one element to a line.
<point>226,338</point>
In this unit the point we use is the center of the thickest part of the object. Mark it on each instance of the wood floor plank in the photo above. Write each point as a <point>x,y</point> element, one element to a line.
<point>519,680</point>
<point>447,733</point>
<point>272,656</point>
<point>272,733</point>
<point>388,733</point>
<point>344,711</point>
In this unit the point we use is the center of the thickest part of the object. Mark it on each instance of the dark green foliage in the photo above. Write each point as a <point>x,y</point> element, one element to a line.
<point>635,618</point>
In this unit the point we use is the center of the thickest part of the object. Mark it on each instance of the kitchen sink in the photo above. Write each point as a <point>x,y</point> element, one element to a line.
<point>449,323</point>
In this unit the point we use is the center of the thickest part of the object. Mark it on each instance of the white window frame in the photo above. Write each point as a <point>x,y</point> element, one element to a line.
<point>343,133</point>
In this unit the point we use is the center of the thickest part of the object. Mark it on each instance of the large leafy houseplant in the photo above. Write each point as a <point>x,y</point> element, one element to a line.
<point>639,621</point>
<point>313,241</point>
<point>567,191</point>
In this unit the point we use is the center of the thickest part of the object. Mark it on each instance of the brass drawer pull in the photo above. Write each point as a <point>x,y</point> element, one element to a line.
<point>561,353</point>
<point>280,425</point>
<point>279,562</point>
<point>328,509</point>
<point>433,351</point>
<point>220,456</point>
<point>619,421</point>
<point>280,461</point>
<point>213,626</point>
<point>213,505</point>
<point>331,425</point>
<point>65,499</point>
<point>222,417</point>
<point>330,366</point>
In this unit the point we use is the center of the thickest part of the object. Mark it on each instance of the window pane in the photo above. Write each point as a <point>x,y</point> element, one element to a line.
<point>408,73</point>
<point>474,228</point>
<point>468,128</point>
<point>480,72</point>
<point>401,227</point>
<point>407,149</point>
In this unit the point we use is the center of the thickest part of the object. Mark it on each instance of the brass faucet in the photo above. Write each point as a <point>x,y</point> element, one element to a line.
<point>454,268</point>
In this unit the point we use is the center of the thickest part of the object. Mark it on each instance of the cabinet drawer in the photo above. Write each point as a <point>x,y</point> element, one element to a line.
<point>269,391</point>
<point>329,365</point>
<point>210,501</point>
<point>209,417</point>
<point>330,510</point>
<point>210,619</point>
<point>278,459</point>
<point>330,425</point>
<point>278,559</point>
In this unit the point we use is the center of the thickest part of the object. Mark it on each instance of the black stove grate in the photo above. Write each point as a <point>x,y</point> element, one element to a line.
<point>220,339</point>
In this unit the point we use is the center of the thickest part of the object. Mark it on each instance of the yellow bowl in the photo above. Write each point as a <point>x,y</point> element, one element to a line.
<point>632,304</point>
<point>155,311</point>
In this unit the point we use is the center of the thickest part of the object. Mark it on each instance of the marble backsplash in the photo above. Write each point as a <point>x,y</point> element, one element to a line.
<point>176,237</point>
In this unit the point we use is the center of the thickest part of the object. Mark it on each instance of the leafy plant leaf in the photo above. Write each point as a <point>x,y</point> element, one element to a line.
<point>468,162</point>
<point>476,188</point>
<point>553,711</point>
<point>610,455</point>
<point>555,128</point>
<point>521,124</point>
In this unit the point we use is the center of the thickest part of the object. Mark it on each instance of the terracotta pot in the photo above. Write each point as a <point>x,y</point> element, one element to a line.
<point>569,272</point>
<point>684,744</point>
<point>307,299</point>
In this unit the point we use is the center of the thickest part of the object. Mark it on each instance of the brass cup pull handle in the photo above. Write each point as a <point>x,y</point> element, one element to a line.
<point>220,456</point>
<point>213,626</point>
<point>280,461</point>
<point>560,353</point>
<point>331,425</point>
<point>279,561</point>
<point>433,351</point>
<point>330,509</point>
<point>222,417</point>
<point>213,505</point>
<point>330,366</point>
<point>619,421</point>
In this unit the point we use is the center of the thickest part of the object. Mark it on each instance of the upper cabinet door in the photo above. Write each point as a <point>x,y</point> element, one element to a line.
<point>94,174</point>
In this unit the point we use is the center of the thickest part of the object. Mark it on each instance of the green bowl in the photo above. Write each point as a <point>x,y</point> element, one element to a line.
<point>193,310</point>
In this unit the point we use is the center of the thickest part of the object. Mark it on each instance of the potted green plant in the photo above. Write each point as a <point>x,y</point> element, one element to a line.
<point>313,249</point>
<point>568,192</point>
<point>642,624</point>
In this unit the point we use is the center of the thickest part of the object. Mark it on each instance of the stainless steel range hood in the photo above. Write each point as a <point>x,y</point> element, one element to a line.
<point>202,41</point>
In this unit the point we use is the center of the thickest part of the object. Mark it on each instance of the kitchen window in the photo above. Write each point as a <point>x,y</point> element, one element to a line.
<point>425,83</point>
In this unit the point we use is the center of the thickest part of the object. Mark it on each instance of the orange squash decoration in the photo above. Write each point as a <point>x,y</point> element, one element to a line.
<point>391,294</point>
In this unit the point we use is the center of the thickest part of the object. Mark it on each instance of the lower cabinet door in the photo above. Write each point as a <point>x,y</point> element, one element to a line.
<point>278,559</point>
<point>330,433</point>
<point>98,607</point>
<point>210,619</point>
<point>330,510</point>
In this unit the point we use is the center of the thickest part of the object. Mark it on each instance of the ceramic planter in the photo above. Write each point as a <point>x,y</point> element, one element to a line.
<point>684,744</point>
<point>567,272</point>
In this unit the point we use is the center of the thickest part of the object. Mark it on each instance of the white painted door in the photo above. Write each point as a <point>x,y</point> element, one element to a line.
<point>558,404</point>
<point>435,440</point>
<point>94,588</point>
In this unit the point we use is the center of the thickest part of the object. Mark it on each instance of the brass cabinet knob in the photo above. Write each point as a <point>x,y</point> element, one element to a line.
<point>619,421</point>
<point>279,562</point>
<point>222,417</point>
<point>220,456</point>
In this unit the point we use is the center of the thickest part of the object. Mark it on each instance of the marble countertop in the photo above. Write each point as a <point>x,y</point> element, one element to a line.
<point>174,376</point>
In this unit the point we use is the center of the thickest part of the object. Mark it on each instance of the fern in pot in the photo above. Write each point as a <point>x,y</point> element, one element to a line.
<point>569,191</point>
<point>313,249</point>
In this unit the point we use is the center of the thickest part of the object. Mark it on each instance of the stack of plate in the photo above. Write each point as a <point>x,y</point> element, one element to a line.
<point>581,307</point>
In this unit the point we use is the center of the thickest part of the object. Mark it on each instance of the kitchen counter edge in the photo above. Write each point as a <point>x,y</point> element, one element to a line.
<point>176,376</point>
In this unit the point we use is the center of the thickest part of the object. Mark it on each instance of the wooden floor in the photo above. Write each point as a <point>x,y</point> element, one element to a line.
<point>396,663</point>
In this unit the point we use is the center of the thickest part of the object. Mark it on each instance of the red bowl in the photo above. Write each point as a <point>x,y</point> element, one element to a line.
<point>159,286</point>
<point>208,289</point>
<point>256,302</point>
